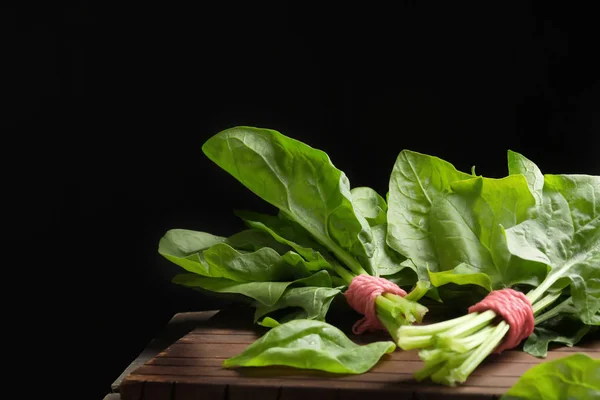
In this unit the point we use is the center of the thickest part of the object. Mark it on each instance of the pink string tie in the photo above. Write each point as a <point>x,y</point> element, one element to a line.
<point>361,295</point>
<point>515,308</point>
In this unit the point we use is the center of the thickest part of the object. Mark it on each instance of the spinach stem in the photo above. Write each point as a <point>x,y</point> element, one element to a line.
<point>462,372</point>
<point>464,344</point>
<point>346,275</point>
<point>536,293</point>
<point>553,311</point>
<point>336,281</point>
<point>432,329</point>
<point>469,327</point>
<point>545,302</point>
<point>413,311</point>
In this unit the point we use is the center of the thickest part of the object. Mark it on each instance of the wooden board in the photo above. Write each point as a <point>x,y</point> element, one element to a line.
<point>190,368</point>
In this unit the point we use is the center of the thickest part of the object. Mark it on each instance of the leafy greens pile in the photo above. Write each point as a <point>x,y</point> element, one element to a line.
<point>539,233</point>
<point>439,232</point>
<point>292,265</point>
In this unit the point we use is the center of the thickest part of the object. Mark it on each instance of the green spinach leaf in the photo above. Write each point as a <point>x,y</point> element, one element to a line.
<point>568,332</point>
<point>565,235</point>
<point>262,265</point>
<point>254,239</point>
<point>184,247</point>
<point>309,344</point>
<point>370,205</point>
<point>416,181</point>
<point>519,164</point>
<point>291,234</point>
<point>306,302</point>
<point>467,226</point>
<point>572,377</point>
<point>302,182</point>
<point>265,293</point>
<point>386,260</point>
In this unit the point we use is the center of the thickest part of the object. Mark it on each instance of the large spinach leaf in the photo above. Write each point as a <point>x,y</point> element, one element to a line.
<point>416,181</point>
<point>386,260</point>
<point>302,182</point>
<point>572,377</point>
<point>248,256</point>
<point>310,344</point>
<point>565,235</point>
<point>262,265</point>
<point>254,239</point>
<point>558,330</point>
<point>265,293</point>
<point>309,302</point>
<point>519,164</point>
<point>184,247</point>
<point>291,234</point>
<point>467,227</point>
<point>369,204</point>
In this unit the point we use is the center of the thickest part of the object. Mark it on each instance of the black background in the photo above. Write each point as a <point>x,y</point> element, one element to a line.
<point>113,102</point>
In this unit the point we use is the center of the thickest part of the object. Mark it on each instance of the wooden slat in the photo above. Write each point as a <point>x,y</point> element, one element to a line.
<point>190,391</point>
<point>280,373</point>
<point>131,389</point>
<point>368,387</point>
<point>158,390</point>
<point>311,393</point>
<point>208,336</point>
<point>212,350</point>
<point>254,392</point>
<point>389,366</point>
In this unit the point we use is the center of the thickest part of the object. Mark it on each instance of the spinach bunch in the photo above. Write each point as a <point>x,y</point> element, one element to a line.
<point>531,232</point>
<point>291,265</point>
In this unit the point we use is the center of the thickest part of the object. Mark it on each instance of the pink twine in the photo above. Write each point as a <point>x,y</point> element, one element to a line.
<point>361,295</point>
<point>515,308</point>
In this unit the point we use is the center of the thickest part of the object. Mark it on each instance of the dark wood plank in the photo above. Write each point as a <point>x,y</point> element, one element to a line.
<point>158,391</point>
<point>131,389</point>
<point>190,391</point>
<point>237,392</point>
<point>370,387</point>
<point>173,366</point>
<point>305,393</point>
<point>215,350</point>
<point>275,374</point>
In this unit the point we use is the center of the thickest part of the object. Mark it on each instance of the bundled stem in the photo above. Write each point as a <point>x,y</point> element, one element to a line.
<point>395,311</point>
<point>453,349</point>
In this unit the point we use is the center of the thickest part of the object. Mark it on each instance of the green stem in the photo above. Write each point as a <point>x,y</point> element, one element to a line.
<point>347,259</point>
<point>432,329</point>
<point>545,302</point>
<point>337,281</point>
<point>415,342</point>
<point>469,327</point>
<point>395,312</point>
<point>553,312</point>
<point>346,275</point>
<point>443,375</point>
<point>433,356</point>
<point>462,372</point>
<point>462,345</point>
<point>420,290</point>
<point>428,370</point>
<point>413,311</point>
<point>536,293</point>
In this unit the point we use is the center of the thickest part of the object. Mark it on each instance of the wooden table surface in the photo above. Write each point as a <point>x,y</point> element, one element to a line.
<point>186,364</point>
